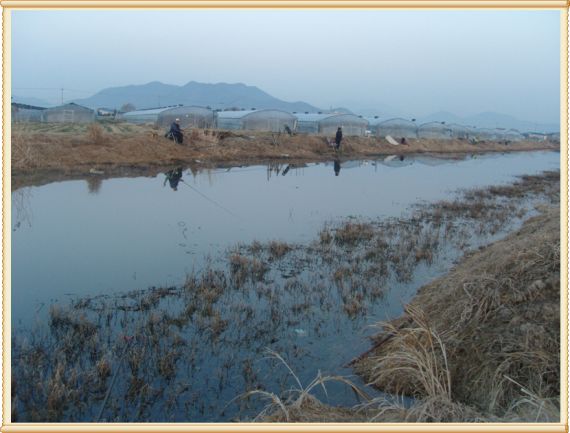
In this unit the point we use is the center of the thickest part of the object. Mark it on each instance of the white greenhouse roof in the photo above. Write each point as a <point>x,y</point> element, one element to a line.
<point>147,112</point>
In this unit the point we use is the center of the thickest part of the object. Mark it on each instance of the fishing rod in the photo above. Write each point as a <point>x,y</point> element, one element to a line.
<point>209,199</point>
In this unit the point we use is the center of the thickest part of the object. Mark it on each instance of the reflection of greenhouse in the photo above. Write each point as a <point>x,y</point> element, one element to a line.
<point>396,161</point>
<point>258,120</point>
<point>433,161</point>
<point>436,130</point>
<point>193,116</point>
<point>320,123</point>
<point>397,128</point>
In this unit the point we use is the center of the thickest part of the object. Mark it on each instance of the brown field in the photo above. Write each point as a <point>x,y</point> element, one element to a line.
<point>55,151</point>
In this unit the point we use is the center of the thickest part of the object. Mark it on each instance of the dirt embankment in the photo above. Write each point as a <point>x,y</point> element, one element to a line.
<point>55,149</point>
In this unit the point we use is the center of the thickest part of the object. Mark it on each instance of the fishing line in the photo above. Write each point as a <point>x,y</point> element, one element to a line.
<point>209,199</point>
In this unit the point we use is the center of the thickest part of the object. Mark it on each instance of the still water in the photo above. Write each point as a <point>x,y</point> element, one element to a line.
<point>77,239</point>
<point>90,237</point>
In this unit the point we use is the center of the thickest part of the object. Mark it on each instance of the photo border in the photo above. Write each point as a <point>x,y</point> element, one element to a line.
<point>9,5</point>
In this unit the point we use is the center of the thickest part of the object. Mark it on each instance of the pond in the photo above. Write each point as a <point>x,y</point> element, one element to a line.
<point>77,239</point>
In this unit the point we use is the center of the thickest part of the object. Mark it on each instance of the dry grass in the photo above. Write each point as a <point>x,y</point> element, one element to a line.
<point>351,233</point>
<point>475,335</point>
<point>298,401</point>
<point>75,148</point>
<point>278,250</point>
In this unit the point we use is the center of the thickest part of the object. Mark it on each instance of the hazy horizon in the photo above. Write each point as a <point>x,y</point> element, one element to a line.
<point>414,62</point>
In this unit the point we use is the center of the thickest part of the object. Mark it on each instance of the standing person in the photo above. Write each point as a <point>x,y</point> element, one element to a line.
<point>338,138</point>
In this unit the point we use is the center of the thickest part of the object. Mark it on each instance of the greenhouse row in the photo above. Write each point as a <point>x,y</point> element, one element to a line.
<point>67,113</point>
<point>314,123</point>
<point>273,121</point>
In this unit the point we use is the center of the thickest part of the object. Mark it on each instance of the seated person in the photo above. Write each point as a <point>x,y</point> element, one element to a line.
<point>175,133</point>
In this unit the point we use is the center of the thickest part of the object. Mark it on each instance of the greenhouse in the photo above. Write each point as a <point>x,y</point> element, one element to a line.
<point>512,135</point>
<point>320,123</point>
<point>143,116</point>
<point>26,113</point>
<point>487,134</point>
<point>190,116</point>
<point>436,130</point>
<point>256,120</point>
<point>397,128</point>
<point>71,113</point>
<point>460,131</point>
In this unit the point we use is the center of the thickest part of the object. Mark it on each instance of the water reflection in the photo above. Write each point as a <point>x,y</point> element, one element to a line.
<point>173,177</point>
<point>336,167</point>
<point>397,161</point>
<point>221,209</point>
<point>22,208</point>
<point>94,184</point>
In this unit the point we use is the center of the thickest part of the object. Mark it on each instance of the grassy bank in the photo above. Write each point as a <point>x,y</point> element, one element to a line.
<point>71,149</point>
<point>182,353</point>
<point>481,344</point>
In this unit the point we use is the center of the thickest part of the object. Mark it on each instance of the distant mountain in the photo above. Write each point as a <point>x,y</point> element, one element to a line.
<point>491,119</point>
<point>219,95</point>
<point>28,100</point>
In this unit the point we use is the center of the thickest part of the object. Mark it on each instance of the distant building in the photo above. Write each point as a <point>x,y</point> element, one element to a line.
<point>460,131</point>
<point>106,112</point>
<point>190,116</point>
<point>487,134</point>
<point>256,120</point>
<point>535,136</point>
<point>327,124</point>
<point>435,130</point>
<point>68,113</point>
<point>512,135</point>
<point>396,127</point>
<point>143,116</point>
<point>26,113</point>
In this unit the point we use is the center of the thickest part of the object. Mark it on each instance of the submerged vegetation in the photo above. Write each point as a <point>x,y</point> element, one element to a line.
<point>184,353</point>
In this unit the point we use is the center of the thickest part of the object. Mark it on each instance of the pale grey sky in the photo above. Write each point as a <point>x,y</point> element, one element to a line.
<point>412,61</point>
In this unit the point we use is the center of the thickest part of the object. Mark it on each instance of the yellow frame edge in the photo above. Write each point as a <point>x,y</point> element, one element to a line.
<point>8,5</point>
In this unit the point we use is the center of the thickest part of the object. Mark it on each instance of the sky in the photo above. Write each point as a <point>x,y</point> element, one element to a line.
<point>405,61</point>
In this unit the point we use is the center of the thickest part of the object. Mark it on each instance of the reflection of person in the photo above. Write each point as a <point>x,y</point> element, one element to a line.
<point>175,133</point>
<point>173,177</point>
<point>336,167</point>
<point>338,138</point>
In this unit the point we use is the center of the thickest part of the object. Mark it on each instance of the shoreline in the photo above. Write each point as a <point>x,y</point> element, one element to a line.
<point>40,157</point>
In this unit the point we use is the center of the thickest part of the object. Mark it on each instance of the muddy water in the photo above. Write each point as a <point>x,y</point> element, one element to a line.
<point>85,238</point>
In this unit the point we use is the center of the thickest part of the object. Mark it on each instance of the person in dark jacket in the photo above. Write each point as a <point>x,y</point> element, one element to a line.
<point>338,138</point>
<point>175,132</point>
